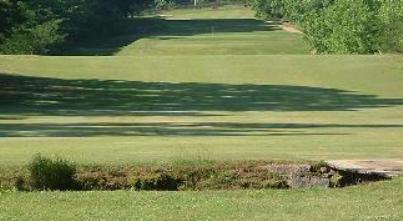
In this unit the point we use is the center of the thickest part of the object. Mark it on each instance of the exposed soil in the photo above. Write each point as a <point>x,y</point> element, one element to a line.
<point>286,26</point>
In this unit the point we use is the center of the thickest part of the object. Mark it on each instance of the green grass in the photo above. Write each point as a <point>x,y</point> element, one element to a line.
<point>230,30</point>
<point>195,86</point>
<point>162,108</point>
<point>377,201</point>
<point>224,12</point>
<point>279,42</point>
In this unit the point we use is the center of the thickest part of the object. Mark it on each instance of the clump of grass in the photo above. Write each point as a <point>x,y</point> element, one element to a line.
<point>336,180</point>
<point>160,179</point>
<point>4,189</point>
<point>51,174</point>
<point>317,166</point>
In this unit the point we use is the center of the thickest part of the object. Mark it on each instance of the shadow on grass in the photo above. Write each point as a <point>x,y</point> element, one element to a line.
<point>173,129</point>
<point>33,96</point>
<point>163,29</point>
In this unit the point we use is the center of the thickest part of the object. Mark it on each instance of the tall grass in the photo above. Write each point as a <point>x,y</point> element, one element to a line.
<point>51,174</point>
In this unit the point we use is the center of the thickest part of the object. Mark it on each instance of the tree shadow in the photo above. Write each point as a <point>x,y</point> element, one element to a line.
<point>164,29</point>
<point>35,96</point>
<point>173,129</point>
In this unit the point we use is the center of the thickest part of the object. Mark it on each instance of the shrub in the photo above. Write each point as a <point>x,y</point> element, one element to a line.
<point>36,40</point>
<point>342,26</point>
<point>51,174</point>
<point>391,14</point>
<point>345,27</point>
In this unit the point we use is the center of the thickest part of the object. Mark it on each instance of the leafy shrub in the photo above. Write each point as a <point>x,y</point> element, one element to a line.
<point>36,40</point>
<point>52,174</point>
<point>345,27</point>
<point>391,13</point>
<point>287,9</point>
<point>342,26</point>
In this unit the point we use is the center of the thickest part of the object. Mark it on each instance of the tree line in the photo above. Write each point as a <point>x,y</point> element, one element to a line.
<point>342,26</point>
<point>41,26</point>
<point>330,26</point>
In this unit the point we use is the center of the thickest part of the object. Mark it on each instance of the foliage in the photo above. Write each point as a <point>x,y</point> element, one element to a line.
<point>37,26</point>
<point>33,40</point>
<point>269,9</point>
<point>391,13</point>
<point>345,27</point>
<point>342,26</point>
<point>51,174</point>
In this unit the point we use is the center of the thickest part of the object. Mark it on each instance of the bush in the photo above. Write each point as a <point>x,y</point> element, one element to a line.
<point>342,26</point>
<point>36,40</point>
<point>346,27</point>
<point>51,174</point>
<point>391,13</point>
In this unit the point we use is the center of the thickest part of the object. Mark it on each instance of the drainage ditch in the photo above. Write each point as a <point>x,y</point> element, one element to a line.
<point>218,176</point>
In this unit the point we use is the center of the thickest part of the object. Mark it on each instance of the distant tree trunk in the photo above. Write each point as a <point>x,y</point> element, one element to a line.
<point>195,2</point>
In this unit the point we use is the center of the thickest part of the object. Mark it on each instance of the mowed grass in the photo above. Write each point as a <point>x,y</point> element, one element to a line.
<point>167,107</point>
<point>213,12</point>
<point>279,42</point>
<point>228,30</point>
<point>156,109</point>
<point>376,201</point>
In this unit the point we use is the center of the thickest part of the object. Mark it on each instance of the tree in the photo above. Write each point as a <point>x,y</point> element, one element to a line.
<point>40,26</point>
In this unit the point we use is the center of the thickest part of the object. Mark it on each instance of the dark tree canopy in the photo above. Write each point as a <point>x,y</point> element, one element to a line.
<point>37,26</point>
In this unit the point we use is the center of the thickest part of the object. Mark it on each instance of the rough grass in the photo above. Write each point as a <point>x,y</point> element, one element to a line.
<point>375,201</point>
<point>56,174</point>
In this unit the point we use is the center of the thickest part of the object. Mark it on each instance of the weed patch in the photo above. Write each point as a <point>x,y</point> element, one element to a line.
<point>50,174</point>
<point>57,174</point>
